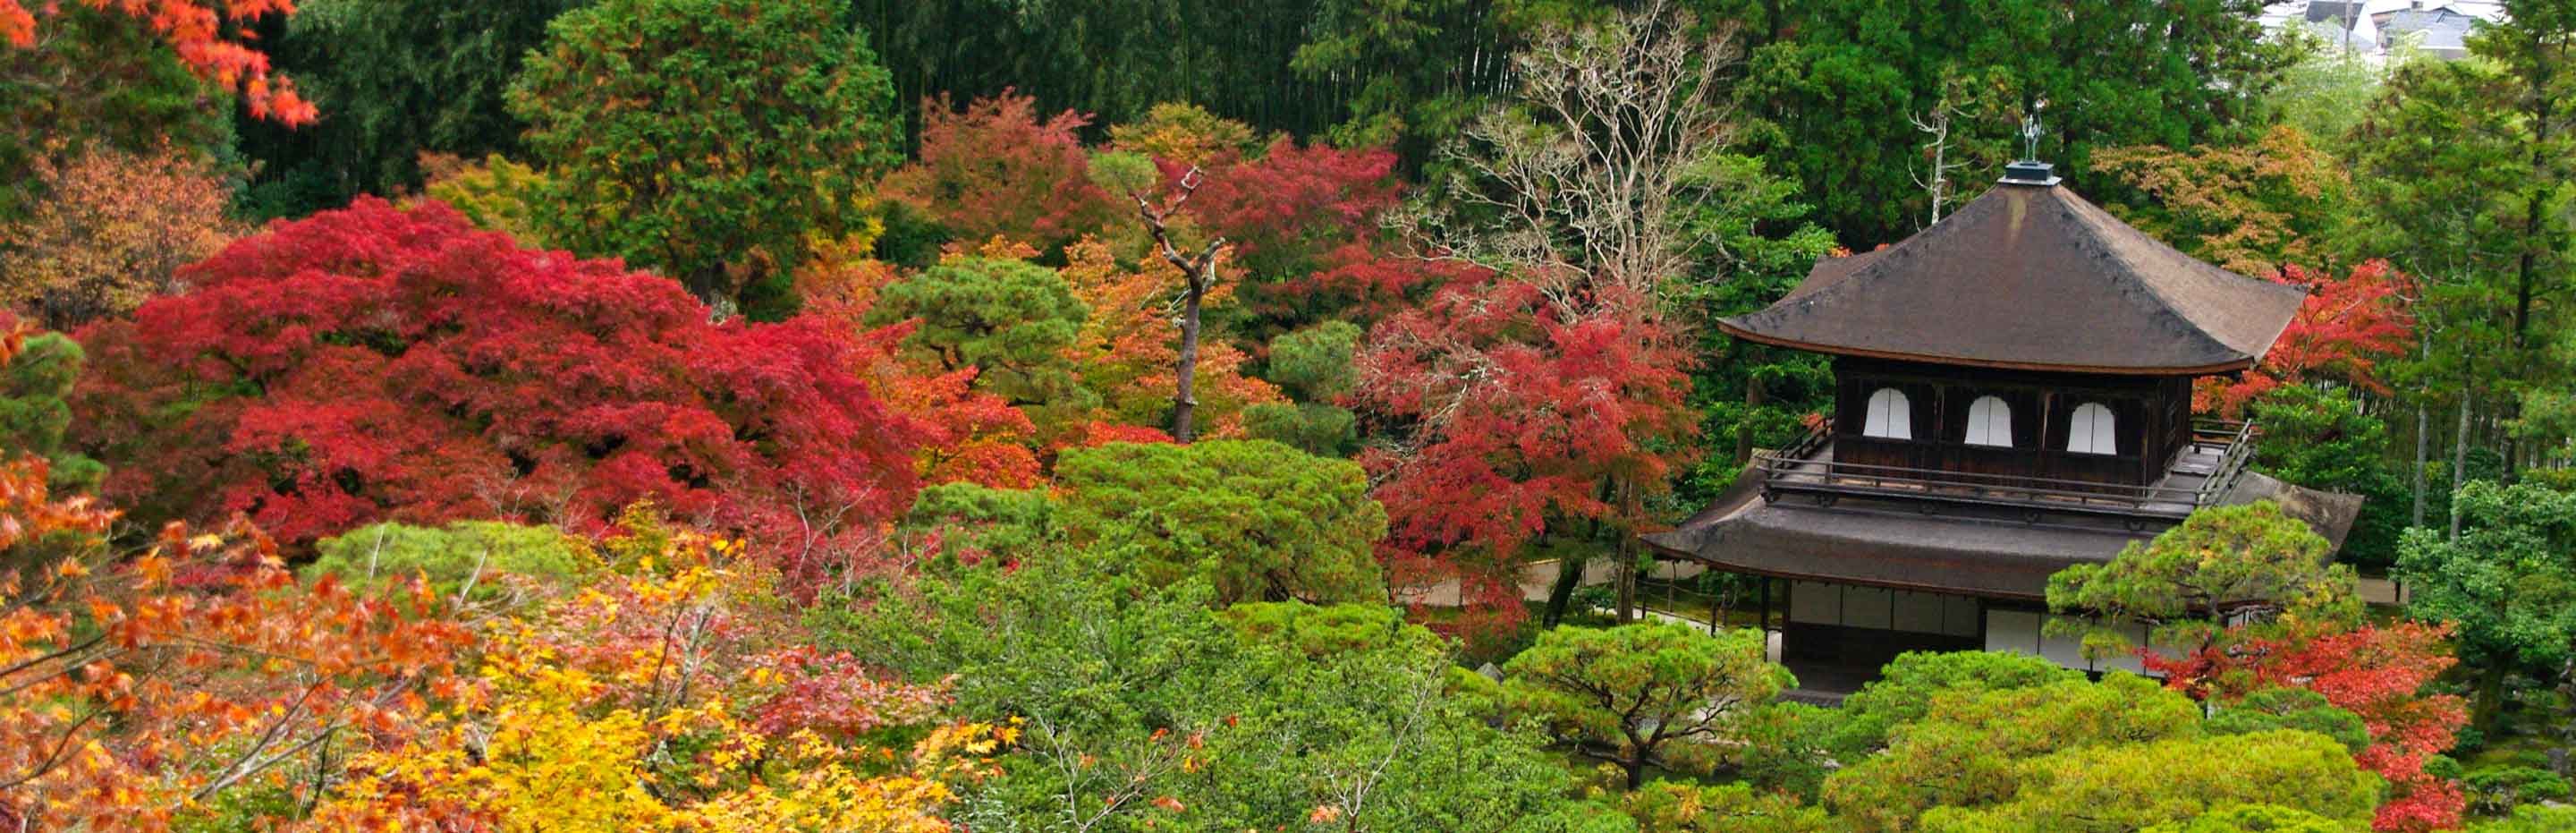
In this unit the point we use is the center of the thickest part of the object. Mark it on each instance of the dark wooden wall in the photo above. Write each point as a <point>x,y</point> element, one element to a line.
<point>2152,415</point>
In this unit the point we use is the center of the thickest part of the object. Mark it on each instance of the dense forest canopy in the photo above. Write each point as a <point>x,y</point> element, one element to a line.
<point>1130,415</point>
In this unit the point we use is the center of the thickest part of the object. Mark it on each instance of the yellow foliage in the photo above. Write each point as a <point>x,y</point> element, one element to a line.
<point>576,724</point>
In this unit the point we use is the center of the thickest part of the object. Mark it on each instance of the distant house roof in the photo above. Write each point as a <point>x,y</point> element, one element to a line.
<point>2341,14</point>
<point>2442,32</point>
<point>2030,277</point>
<point>2335,35</point>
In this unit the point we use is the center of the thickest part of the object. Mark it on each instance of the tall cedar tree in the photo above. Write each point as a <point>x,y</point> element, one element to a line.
<point>1843,82</point>
<point>373,363</point>
<point>709,139</point>
<point>399,79</point>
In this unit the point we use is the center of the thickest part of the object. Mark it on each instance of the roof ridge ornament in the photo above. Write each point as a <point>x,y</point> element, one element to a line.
<point>2028,170</point>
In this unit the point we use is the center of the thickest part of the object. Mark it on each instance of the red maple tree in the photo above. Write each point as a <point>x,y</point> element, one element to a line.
<point>375,363</point>
<point>1526,408</point>
<point>213,40</point>
<point>2379,673</point>
<point>2343,331</point>
<point>994,169</point>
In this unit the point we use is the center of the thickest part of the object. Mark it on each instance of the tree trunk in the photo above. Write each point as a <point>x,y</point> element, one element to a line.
<point>1626,577</point>
<point>1636,768</point>
<point>2488,700</point>
<point>1569,575</point>
<point>1185,400</point>
<point>2423,440</point>
<point>2459,464</point>
<point>2423,451</point>
<point>1753,396</point>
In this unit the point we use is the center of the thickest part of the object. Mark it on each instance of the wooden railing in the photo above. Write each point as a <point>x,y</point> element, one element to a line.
<point>1799,470</point>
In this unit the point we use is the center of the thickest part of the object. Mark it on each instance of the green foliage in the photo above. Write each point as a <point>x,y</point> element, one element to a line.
<point>1325,631</point>
<point>2259,818</point>
<point>2221,563</point>
<point>1841,89</point>
<point>2290,708</point>
<point>1669,807</point>
<point>1904,691</point>
<point>2321,439</point>
<point>1131,689</point>
<point>495,194</point>
<point>2071,755</point>
<point>1124,173</point>
<point>1012,320</point>
<point>2112,789</point>
<point>1788,748</point>
<point>1321,430</point>
<point>97,79</point>
<point>2325,90</point>
<point>1758,244</point>
<point>2497,790</point>
<point>396,80</point>
<point>1645,694</point>
<point>2509,582</point>
<point>1315,364</point>
<point>467,557</point>
<point>1258,520</point>
<point>33,415</point>
<point>973,522</point>
<point>2530,819</point>
<point>1974,748</point>
<point>707,138</point>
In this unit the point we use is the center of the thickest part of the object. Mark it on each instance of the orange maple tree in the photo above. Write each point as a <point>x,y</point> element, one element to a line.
<point>213,40</point>
<point>1127,350</point>
<point>131,691</point>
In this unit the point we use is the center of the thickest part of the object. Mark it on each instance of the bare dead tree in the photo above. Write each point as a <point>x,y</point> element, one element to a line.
<point>1595,179</point>
<point>1198,272</point>
<point>1936,124</point>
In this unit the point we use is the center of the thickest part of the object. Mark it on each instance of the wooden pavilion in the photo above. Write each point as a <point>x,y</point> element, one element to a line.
<point>2012,396</point>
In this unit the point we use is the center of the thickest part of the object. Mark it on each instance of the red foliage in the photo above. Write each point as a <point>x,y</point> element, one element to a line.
<point>1103,433</point>
<point>211,39</point>
<point>1529,410</point>
<point>2345,329</point>
<point>837,695</point>
<point>1358,283</point>
<point>375,363</point>
<point>1300,219</point>
<point>995,170</point>
<point>2378,673</point>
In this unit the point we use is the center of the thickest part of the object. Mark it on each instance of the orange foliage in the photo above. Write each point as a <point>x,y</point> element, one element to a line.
<point>112,232</point>
<point>211,39</point>
<point>974,437</point>
<point>1129,345</point>
<point>130,691</point>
